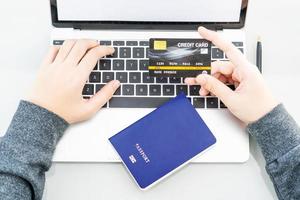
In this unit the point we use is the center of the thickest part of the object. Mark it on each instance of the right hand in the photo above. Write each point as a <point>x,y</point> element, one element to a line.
<point>251,99</point>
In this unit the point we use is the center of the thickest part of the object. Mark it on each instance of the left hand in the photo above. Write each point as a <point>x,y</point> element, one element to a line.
<point>62,76</point>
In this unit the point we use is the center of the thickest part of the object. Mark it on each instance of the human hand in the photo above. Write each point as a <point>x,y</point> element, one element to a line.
<point>62,76</point>
<point>251,99</point>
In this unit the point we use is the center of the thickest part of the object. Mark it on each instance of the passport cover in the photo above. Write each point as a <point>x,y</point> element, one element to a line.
<point>162,141</point>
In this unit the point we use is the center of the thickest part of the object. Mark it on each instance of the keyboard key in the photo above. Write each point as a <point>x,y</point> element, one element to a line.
<point>128,89</point>
<point>122,77</point>
<point>118,65</point>
<point>105,42</point>
<point>138,52</point>
<point>107,76</point>
<point>88,89</point>
<point>147,52</point>
<point>118,91</point>
<point>237,44</point>
<point>181,88</point>
<point>222,105</point>
<point>125,52</point>
<point>217,53</point>
<point>99,87</point>
<point>161,80</point>
<point>212,102</point>
<point>144,64</point>
<point>95,77</point>
<point>199,102</point>
<point>155,90</point>
<point>105,64</point>
<point>168,90</point>
<point>131,65</point>
<point>147,78</point>
<point>104,106</point>
<point>232,87</point>
<point>115,54</point>
<point>242,50</point>
<point>58,42</point>
<point>119,43</point>
<point>141,90</point>
<point>96,67</point>
<point>131,43</point>
<point>137,102</point>
<point>134,77</point>
<point>175,80</point>
<point>144,43</point>
<point>194,90</point>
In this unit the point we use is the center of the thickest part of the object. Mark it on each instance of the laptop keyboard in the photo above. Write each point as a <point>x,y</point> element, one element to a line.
<point>129,65</point>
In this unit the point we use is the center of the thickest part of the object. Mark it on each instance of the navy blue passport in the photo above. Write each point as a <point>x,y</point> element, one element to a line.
<point>162,141</point>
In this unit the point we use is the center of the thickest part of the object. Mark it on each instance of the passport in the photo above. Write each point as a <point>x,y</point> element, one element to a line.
<point>162,141</point>
<point>176,57</point>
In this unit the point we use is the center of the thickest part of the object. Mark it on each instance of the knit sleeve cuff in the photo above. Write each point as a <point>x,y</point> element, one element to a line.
<point>276,133</point>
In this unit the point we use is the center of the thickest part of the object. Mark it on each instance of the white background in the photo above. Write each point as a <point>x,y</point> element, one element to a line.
<point>24,37</point>
<point>153,10</point>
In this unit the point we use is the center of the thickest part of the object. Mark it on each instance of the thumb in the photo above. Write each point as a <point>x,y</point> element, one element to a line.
<point>103,96</point>
<point>216,87</point>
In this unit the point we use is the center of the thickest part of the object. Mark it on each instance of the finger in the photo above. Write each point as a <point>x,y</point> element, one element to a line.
<point>203,91</point>
<point>222,78</point>
<point>64,51</point>
<point>236,84</point>
<point>51,55</point>
<point>89,61</point>
<point>237,75</point>
<point>216,87</point>
<point>234,55</point>
<point>230,81</point>
<point>223,67</point>
<point>103,96</point>
<point>190,81</point>
<point>79,50</point>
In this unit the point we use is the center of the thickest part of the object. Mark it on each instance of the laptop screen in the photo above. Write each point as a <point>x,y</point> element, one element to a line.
<point>150,11</point>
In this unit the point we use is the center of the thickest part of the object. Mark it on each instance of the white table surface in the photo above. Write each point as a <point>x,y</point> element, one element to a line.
<point>24,38</point>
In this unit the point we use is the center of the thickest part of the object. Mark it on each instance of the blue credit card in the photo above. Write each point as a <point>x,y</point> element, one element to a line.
<point>162,141</point>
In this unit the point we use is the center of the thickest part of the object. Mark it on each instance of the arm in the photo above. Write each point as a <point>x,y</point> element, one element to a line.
<point>54,102</point>
<point>253,103</point>
<point>278,135</point>
<point>26,151</point>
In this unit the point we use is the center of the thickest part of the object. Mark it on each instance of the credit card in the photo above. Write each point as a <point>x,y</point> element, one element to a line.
<point>173,57</point>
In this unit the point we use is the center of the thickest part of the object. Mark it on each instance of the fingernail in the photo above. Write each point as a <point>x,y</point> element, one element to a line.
<point>116,84</point>
<point>201,28</point>
<point>112,50</point>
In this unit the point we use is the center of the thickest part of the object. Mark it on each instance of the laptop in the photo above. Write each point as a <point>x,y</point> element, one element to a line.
<point>128,26</point>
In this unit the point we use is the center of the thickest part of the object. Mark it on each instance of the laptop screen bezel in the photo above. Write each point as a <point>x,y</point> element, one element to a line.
<point>107,25</point>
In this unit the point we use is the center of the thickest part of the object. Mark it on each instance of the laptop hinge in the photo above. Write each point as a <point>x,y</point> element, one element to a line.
<point>214,27</point>
<point>77,28</point>
<point>218,28</point>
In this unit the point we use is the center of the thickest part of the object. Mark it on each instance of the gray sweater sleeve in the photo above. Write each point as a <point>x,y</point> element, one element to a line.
<point>26,151</point>
<point>278,135</point>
